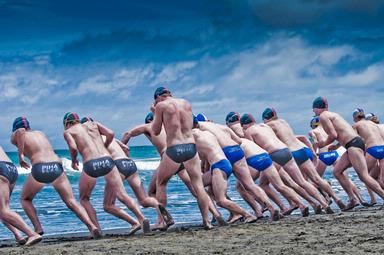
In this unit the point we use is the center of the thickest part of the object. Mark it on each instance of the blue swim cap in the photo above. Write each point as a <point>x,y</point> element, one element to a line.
<point>85,119</point>
<point>358,113</point>
<point>20,122</point>
<point>148,118</point>
<point>369,116</point>
<point>232,117</point>
<point>70,117</point>
<point>269,113</point>
<point>195,120</point>
<point>201,117</point>
<point>160,91</point>
<point>315,122</point>
<point>247,118</point>
<point>320,103</point>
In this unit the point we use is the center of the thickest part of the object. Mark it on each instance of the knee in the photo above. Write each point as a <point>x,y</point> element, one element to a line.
<point>71,203</point>
<point>221,202</point>
<point>108,208</point>
<point>144,203</point>
<point>84,200</point>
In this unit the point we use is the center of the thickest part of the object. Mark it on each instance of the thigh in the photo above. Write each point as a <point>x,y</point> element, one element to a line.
<point>207,178</point>
<point>4,194</point>
<point>294,171</point>
<point>30,188</point>
<point>342,164</point>
<point>371,161</point>
<point>63,187</point>
<point>242,172</point>
<point>264,178</point>
<point>113,179</point>
<point>219,184</point>
<point>136,185</point>
<point>273,176</point>
<point>109,195</point>
<point>167,169</point>
<point>86,185</point>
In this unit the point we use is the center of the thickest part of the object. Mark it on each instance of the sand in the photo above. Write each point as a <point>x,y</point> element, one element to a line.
<point>358,232</point>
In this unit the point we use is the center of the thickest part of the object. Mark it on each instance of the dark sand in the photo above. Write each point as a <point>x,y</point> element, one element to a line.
<point>357,232</point>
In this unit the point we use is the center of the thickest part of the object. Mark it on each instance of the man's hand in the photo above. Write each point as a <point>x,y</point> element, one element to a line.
<point>75,165</point>
<point>153,107</point>
<point>24,163</point>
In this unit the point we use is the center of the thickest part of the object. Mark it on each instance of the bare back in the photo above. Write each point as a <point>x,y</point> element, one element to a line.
<point>88,140</point>
<point>250,148</point>
<point>264,136</point>
<point>343,130</point>
<point>159,141</point>
<point>207,146</point>
<point>223,137</point>
<point>116,151</point>
<point>285,133</point>
<point>318,134</point>
<point>370,132</point>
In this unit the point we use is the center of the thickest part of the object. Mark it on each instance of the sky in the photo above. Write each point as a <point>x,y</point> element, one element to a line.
<point>104,59</point>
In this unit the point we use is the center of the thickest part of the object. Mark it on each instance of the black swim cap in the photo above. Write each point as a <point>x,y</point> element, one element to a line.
<point>20,122</point>
<point>320,103</point>
<point>269,113</point>
<point>148,118</point>
<point>232,117</point>
<point>160,91</point>
<point>247,118</point>
<point>85,119</point>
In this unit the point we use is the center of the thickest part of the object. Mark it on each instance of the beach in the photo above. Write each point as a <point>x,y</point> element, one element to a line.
<point>356,232</point>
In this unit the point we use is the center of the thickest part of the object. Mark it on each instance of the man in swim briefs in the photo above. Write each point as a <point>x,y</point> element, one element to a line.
<point>87,139</point>
<point>337,128</point>
<point>300,152</point>
<point>12,220</point>
<point>128,171</point>
<point>46,169</point>
<point>176,116</point>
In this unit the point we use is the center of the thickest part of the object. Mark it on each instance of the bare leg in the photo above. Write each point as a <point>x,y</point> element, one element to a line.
<point>374,172</point>
<point>166,170</point>
<point>152,185</point>
<point>30,189</point>
<point>64,189</point>
<point>381,174</point>
<point>264,184</point>
<point>86,186</point>
<point>320,167</point>
<point>183,175</point>
<point>249,199</point>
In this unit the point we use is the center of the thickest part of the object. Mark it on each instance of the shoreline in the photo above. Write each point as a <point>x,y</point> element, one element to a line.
<point>358,231</point>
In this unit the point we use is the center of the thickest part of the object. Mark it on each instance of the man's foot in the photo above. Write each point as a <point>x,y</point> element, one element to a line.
<point>351,204</point>
<point>250,219</point>
<point>340,204</point>
<point>235,218</point>
<point>290,210</point>
<point>207,226</point>
<point>134,229</point>
<point>96,233</point>
<point>166,216</point>
<point>221,221</point>
<point>365,204</point>
<point>33,240</point>
<point>146,227</point>
<point>40,232</point>
<point>305,212</point>
<point>275,215</point>
<point>160,227</point>
<point>328,210</point>
<point>21,240</point>
<point>317,209</point>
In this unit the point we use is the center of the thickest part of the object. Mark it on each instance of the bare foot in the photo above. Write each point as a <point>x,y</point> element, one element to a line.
<point>33,240</point>
<point>96,233</point>
<point>221,221</point>
<point>340,204</point>
<point>328,210</point>
<point>290,210</point>
<point>305,212</point>
<point>21,240</point>
<point>166,216</point>
<point>160,227</point>
<point>235,218</point>
<point>251,219</point>
<point>352,204</point>
<point>275,215</point>
<point>207,226</point>
<point>146,227</point>
<point>317,209</point>
<point>134,229</point>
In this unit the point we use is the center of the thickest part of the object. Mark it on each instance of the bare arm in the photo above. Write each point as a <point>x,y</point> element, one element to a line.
<point>234,137</point>
<point>108,133</point>
<point>124,147</point>
<point>330,130</point>
<point>72,150</point>
<point>158,120</point>
<point>136,131</point>
<point>305,140</point>
<point>19,140</point>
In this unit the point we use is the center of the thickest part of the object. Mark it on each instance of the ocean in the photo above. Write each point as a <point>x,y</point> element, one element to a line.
<point>56,218</point>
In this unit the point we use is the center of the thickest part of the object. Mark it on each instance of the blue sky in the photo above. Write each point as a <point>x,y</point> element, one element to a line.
<point>105,59</point>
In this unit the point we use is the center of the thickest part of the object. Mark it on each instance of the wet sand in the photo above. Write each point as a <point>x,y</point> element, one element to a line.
<point>357,232</point>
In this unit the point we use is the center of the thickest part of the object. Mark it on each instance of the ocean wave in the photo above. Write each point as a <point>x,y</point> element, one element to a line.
<point>142,164</point>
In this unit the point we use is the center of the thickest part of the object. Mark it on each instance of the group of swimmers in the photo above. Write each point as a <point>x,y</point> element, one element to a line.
<point>203,154</point>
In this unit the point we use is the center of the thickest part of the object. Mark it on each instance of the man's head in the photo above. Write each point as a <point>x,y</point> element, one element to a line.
<point>372,117</point>
<point>70,119</point>
<point>148,118</point>
<point>358,114</point>
<point>20,122</point>
<point>269,114</point>
<point>232,118</point>
<point>315,122</point>
<point>86,119</point>
<point>319,105</point>
<point>161,93</point>
<point>247,120</point>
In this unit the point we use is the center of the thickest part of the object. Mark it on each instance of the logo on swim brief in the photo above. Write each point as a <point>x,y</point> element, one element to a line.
<point>11,168</point>
<point>127,163</point>
<point>101,164</point>
<point>329,155</point>
<point>49,168</point>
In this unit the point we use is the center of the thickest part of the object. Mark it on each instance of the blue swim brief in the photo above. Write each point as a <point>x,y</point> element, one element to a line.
<point>260,162</point>
<point>301,155</point>
<point>376,151</point>
<point>224,165</point>
<point>329,158</point>
<point>233,153</point>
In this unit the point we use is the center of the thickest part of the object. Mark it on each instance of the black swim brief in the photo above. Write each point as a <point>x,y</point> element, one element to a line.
<point>181,152</point>
<point>281,157</point>
<point>9,171</point>
<point>47,172</point>
<point>126,166</point>
<point>98,167</point>
<point>356,142</point>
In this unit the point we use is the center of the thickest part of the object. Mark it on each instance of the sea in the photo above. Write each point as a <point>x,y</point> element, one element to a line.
<point>56,218</point>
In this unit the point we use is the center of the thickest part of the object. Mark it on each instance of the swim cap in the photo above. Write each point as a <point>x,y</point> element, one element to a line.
<point>269,113</point>
<point>320,103</point>
<point>85,119</point>
<point>247,118</point>
<point>160,91</point>
<point>232,117</point>
<point>195,120</point>
<point>369,116</point>
<point>20,122</point>
<point>201,117</point>
<point>315,122</point>
<point>148,118</point>
<point>358,113</point>
<point>70,117</point>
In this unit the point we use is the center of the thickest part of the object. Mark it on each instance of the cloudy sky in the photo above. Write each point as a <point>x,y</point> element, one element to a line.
<point>105,58</point>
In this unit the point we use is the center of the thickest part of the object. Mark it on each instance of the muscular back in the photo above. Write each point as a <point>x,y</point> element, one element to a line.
<point>264,136</point>
<point>370,132</point>
<point>208,146</point>
<point>88,140</point>
<point>221,133</point>
<point>159,141</point>
<point>318,134</point>
<point>343,130</point>
<point>285,133</point>
<point>250,148</point>
<point>177,120</point>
